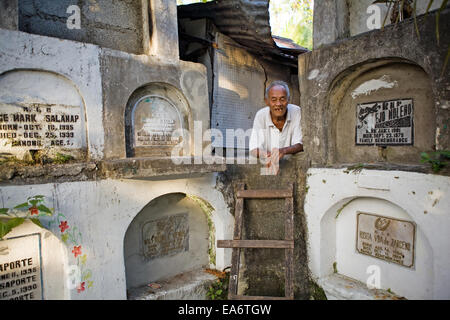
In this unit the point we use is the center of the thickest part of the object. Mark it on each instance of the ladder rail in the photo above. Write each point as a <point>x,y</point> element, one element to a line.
<point>237,243</point>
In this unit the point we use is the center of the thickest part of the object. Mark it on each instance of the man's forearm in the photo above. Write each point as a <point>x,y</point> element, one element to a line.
<point>292,149</point>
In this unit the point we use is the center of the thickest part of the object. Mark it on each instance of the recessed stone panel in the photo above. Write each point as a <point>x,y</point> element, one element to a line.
<point>386,238</point>
<point>155,121</point>
<point>166,236</point>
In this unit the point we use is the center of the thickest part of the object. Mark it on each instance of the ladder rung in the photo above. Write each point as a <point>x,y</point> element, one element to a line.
<point>240,297</point>
<point>264,194</point>
<point>270,244</point>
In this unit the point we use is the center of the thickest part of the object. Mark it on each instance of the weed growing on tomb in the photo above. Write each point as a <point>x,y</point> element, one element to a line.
<point>62,158</point>
<point>436,159</point>
<point>316,292</point>
<point>219,289</point>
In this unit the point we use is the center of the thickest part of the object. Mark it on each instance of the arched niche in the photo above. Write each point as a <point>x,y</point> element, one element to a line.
<point>171,235</point>
<point>403,126</point>
<point>157,118</point>
<point>338,249</point>
<point>41,112</point>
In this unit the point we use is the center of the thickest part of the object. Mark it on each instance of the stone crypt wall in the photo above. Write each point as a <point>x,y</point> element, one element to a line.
<point>78,99</point>
<point>373,210</point>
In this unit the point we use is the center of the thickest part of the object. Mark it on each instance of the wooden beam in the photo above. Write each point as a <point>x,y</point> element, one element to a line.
<point>267,244</point>
<point>236,254</point>
<point>264,194</point>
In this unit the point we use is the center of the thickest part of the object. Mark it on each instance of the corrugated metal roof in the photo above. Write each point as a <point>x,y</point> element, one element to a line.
<point>245,21</point>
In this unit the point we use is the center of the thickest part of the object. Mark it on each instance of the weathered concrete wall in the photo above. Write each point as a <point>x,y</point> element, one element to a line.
<point>76,63</point>
<point>339,19</point>
<point>324,81</point>
<point>371,67</point>
<point>358,14</point>
<point>166,260</point>
<point>263,269</point>
<point>112,24</point>
<point>123,74</point>
<point>164,29</point>
<point>330,22</point>
<point>397,85</point>
<point>9,17</point>
<point>335,197</point>
<point>101,212</point>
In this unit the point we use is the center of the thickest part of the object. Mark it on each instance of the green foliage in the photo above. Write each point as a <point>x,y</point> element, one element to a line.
<point>35,208</point>
<point>436,159</point>
<point>335,270</point>
<point>293,19</point>
<point>219,289</point>
<point>402,9</point>
<point>62,158</point>
<point>316,292</point>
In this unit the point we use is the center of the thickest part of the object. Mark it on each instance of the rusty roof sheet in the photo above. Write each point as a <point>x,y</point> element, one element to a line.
<point>247,22</point>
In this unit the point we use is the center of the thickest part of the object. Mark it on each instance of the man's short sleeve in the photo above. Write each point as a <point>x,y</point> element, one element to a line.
<point>257,136</point>
<point>297,136</point>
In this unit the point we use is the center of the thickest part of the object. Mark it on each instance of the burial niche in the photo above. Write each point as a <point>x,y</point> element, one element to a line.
<point>40,112</point>
<point>372,233</point>
<point>157,119</point>
<point>383,116</point>
<point>168,237</point>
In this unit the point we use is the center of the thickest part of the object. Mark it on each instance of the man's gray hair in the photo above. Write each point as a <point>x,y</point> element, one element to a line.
<point>277,83</point>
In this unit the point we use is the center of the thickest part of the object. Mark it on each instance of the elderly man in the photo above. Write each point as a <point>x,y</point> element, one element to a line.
<point>276,128</point>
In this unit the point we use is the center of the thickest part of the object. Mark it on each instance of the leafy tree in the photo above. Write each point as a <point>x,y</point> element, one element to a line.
<point>293,19</point>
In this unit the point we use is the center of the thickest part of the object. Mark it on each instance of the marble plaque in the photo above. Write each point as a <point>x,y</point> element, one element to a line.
<point>386,238</point>
<point>20,268</point>
<point>166,236</point>
<point>39,126</point>
<point>154,121</point>
<point>385,123</point>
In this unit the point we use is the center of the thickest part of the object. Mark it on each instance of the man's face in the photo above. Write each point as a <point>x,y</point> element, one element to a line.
<point>277,101</point>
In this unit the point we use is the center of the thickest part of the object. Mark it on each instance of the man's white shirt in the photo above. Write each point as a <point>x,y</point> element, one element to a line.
<point>266,136</point>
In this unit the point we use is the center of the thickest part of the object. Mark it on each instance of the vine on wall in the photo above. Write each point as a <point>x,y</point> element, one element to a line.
<point>34,210</point>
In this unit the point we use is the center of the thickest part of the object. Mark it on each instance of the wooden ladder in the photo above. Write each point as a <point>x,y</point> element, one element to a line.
<point>237,243</point>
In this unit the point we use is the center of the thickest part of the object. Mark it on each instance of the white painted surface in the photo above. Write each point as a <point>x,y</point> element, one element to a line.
<point>102,212</point>
<point>374,85</point>
<point>54,261</point>
<point>421,198</point>
<point>77,62</point>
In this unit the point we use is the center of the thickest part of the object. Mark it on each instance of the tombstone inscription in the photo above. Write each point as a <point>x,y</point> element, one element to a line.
<point>385,123</point>
<point>166,236</point>
<point>386,238</point>
<point>20,268</point>
<point>155,120</point>
<point>39,126</point>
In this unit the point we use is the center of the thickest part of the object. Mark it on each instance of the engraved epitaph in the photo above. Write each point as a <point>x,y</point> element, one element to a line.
<point>385,123</point>
<point>154,121</point>
<point>166,236</point>
<point>40,126</point>
<point>20,268</point>
<point>386,238</point>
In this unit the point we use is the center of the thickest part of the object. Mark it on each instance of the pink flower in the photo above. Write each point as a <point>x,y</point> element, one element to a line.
<point>63,226</point>
<point>34,210</point>
<point>76,250</point>
<point>80,287</point>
